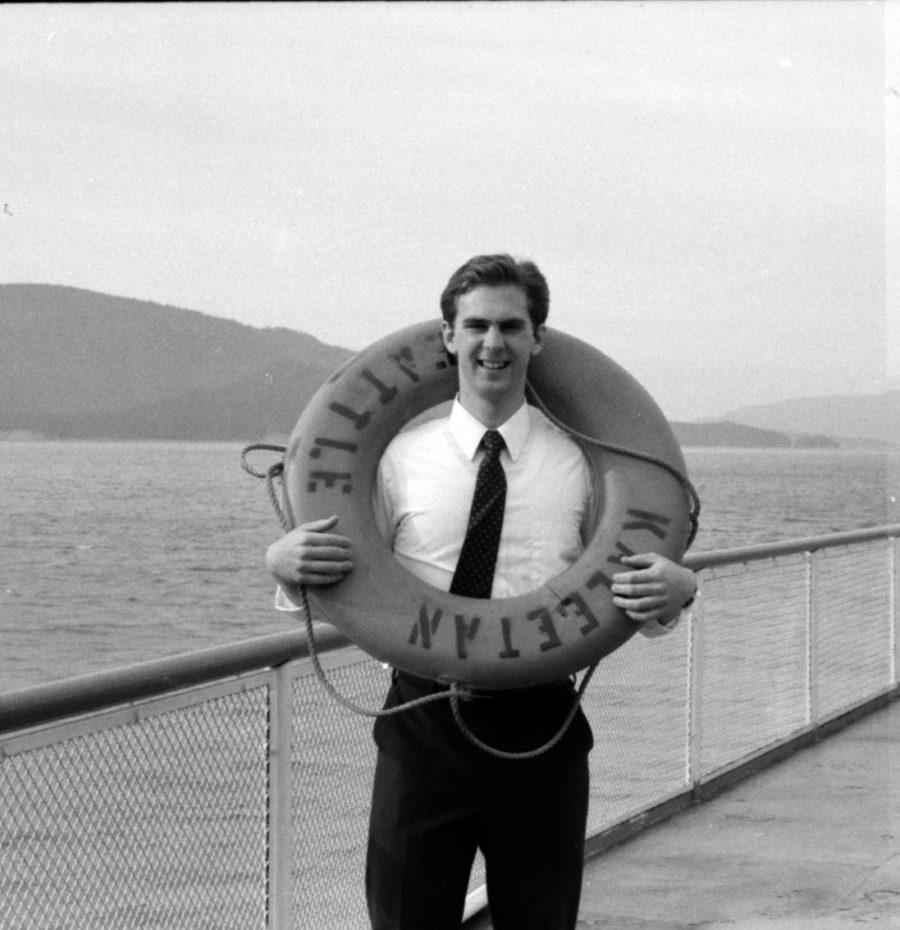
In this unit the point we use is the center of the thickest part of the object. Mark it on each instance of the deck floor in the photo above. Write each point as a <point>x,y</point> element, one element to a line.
<point>812,843</point>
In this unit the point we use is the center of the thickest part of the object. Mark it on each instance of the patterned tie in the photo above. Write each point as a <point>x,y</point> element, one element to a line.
<point>474,576</point>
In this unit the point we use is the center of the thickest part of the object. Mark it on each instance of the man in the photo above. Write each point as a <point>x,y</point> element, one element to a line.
<point>437,797</point>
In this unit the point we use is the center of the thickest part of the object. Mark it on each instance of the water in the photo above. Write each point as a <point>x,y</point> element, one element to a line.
<point>114,553</point>
<point>762,495</point>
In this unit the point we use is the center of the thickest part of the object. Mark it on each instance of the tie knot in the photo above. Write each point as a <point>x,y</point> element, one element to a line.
<point>493,443</point>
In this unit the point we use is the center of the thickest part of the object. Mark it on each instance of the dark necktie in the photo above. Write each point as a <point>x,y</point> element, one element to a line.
<point>474,576</point>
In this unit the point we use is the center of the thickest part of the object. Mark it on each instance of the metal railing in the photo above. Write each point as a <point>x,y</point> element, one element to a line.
<point>225,789</point>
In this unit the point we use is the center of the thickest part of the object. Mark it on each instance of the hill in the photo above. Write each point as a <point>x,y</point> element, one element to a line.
<point>78,364</point>
<point>736,436</point>
<point>75,364</point>
<point>873,419</point>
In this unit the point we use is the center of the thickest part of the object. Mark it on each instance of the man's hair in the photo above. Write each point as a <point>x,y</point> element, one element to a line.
<point>495,271</point>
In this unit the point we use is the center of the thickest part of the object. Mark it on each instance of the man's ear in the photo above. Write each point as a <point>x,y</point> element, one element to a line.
<point>539,332</point>
<point>447,333</point>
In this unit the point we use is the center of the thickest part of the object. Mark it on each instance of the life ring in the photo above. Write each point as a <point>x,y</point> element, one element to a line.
<point>567,624</point>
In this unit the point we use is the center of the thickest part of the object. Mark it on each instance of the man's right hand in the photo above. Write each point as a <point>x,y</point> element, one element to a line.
<point>310,555</point>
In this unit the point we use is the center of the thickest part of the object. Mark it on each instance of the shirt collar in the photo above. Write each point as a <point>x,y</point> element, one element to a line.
<point>468,430</point>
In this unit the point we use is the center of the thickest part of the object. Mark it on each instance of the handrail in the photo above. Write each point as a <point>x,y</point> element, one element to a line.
<point>41,704</point>
<point>81,694</point>
<point>189,760</point>
<point>713,557</point>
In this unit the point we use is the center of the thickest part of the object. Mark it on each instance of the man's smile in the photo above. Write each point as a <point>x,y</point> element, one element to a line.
<point>492,365</point>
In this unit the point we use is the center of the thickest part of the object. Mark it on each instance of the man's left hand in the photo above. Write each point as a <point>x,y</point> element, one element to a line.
<point>652,587</point>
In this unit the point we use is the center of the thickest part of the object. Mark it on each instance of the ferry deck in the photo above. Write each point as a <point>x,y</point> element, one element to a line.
<point>810,843</point>
<point>748,772</point>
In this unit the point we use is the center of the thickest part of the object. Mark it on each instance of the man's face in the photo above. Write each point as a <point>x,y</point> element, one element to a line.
<point>494,341</point>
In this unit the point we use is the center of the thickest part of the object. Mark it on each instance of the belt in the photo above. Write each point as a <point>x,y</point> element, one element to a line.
<point>430,686</point>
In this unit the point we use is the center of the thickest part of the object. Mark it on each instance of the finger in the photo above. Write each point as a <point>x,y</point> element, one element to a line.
<point>642,616</point>
<point>637,589</point>
<point>314,573</point>
<point>644,607</point>
<point>310,578</point>
<point>623,589</point>
<point>320,526</point>
<point>326,547</point>
<point>325,566</point>
<point>643,576</point>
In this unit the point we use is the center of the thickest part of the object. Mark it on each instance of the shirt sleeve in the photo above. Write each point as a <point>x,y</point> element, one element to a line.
<point>283,600</point>
<point>653,628</point>
<point>382,498</point>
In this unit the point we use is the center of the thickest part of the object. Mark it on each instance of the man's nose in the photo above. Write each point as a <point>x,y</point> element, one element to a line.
<point>493,338</point>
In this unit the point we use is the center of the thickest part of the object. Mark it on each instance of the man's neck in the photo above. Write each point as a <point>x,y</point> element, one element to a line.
<point>490,415</point>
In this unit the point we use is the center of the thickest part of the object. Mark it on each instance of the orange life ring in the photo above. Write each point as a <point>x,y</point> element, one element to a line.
<point>567,624</point>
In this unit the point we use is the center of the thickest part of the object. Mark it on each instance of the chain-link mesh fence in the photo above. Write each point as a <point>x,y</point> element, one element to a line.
<point>158,815</point>
<point>157,823</point>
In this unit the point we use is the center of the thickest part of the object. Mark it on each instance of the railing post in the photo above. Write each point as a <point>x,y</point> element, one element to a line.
<point>811,561</point>
<point>894,611</point>
<point>694,742</point>
<point>279,852</point>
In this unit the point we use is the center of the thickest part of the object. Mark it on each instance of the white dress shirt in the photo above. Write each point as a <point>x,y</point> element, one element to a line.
<point>424,490</point>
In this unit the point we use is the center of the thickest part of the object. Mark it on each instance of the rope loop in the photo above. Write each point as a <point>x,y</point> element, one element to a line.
<point>274,472</point>
<point>347,702</point>
<point>455,694</point>
<point>257,447</point>
<point>530,753</point>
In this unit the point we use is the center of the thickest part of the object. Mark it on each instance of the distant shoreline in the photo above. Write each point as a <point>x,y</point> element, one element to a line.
<point>838,445</point>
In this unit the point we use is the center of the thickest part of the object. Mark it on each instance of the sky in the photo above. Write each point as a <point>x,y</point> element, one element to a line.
<point>702,183</point>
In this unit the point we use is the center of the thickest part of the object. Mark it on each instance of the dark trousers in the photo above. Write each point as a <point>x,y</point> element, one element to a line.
<point>437,798</point>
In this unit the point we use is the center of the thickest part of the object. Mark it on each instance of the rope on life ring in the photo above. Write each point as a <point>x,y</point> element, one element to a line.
<point>454,694</point>
<point>570,622</point>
